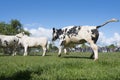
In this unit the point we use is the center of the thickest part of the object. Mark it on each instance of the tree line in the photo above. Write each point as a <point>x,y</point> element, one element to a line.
<point>12,28</point>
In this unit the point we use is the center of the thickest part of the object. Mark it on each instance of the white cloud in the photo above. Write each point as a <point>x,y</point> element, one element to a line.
<point>40,32</point>
<point>103,40</point>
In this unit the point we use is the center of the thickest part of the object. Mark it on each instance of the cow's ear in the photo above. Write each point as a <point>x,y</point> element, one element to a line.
<point>53,30</point>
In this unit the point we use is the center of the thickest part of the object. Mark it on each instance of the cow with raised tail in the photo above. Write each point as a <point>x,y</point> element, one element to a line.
<point>72,35</point>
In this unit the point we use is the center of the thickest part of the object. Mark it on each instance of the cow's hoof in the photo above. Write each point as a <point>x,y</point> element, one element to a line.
<point>95,59</point>
<point>59,55</point>
<point>13,55</point>
<point>43,55</point>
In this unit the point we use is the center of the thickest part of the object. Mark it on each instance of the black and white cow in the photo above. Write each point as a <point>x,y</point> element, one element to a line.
<point>71,35</point>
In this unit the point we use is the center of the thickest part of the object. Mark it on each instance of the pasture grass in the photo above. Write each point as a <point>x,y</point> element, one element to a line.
<point>75,66</point>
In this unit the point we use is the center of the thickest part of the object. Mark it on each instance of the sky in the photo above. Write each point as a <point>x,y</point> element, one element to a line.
<point>40,16</point>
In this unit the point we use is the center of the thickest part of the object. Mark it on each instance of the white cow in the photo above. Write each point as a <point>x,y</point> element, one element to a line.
<point>26,41</point>
<point>11,42</point>
<point>72,35</point>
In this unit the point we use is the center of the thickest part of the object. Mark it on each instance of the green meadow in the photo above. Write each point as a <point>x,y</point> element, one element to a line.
<point>75,66</point>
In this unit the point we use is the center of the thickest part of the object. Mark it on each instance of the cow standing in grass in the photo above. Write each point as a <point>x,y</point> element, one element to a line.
<point>72,35</point>
<point>26,42</point>
<point>9,42</point>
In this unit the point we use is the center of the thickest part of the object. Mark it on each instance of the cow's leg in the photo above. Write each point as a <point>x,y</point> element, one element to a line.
<point>65,51</point>
<point>14,50</point>
<point>14,53</point>
<point>25,51</point>
<point>95,50</point>
<point>44,51</point>
<point>60,50</point>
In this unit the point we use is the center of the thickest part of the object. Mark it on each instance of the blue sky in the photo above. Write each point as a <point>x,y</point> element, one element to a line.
<point>37,14</point>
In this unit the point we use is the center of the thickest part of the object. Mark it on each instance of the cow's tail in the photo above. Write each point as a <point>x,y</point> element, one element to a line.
<point>112,20</point>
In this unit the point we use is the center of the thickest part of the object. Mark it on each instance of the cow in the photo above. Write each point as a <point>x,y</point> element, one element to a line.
<point>71,35</point>
<point>26,42</point>
<point>9,42</point>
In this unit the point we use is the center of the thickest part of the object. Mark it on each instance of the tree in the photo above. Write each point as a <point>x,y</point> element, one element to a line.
<point>16,26</point>
<point>2,27</point>
<point>111,46</point>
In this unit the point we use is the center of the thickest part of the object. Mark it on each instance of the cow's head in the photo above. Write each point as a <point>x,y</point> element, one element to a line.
<point>20,35</point>
<point>56,33</point>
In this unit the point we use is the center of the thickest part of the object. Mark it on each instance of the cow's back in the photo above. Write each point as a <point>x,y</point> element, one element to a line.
<point>34,41</point>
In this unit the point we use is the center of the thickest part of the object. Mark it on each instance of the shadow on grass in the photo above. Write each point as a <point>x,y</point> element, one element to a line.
<point>21,75</point>
<point>76,57</point>
<point>40,55</point>
<point>27,55</point>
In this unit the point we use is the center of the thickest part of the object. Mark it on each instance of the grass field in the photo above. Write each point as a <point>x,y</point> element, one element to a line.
<point>75,66</point>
